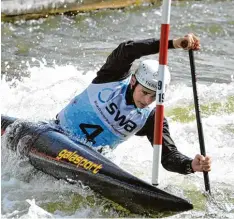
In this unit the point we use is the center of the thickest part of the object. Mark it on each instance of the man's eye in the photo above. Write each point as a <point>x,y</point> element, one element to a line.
<point>144,92</point>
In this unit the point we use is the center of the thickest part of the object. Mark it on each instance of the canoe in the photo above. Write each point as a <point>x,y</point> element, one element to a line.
<point>55,153</point>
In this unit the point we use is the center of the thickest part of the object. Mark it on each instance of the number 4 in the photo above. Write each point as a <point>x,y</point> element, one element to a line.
<point>97,129</point>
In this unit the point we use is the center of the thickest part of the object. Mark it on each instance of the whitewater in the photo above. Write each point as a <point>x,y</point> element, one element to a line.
<point>45,63</point>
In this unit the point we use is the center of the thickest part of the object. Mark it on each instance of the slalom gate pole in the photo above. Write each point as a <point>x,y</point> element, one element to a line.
<point>198,117</point>
<point>159,113</point>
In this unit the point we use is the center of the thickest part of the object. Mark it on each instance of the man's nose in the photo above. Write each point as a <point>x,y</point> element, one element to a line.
<point>148,99</point>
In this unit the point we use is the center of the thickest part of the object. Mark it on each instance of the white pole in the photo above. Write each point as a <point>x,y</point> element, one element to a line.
<point>159,113</point>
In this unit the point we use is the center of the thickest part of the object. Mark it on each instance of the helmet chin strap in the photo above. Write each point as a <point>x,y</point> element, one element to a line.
<point>134,86</point>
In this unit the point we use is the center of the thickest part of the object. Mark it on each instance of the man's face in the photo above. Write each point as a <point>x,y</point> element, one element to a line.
<point>143,97</point>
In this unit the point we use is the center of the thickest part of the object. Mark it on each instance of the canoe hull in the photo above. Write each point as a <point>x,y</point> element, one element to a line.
<point>56,154</point>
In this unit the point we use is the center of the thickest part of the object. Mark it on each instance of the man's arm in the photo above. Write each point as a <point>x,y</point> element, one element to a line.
<point>172,159</point>
<point>119,62</point>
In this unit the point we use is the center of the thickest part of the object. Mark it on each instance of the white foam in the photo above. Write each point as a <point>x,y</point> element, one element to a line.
<point>47,88</point>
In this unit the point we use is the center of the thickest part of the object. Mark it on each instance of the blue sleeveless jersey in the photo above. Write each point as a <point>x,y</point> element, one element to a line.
<point>100,115</point>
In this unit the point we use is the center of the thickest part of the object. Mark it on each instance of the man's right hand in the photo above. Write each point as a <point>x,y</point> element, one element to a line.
<point>189,41</point>
<point>201,163</point>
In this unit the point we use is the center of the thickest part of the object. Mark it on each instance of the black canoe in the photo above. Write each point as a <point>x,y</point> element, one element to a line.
<point>56,154</point>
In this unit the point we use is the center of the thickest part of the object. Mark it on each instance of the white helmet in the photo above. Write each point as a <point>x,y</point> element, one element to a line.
<point>147,74</point>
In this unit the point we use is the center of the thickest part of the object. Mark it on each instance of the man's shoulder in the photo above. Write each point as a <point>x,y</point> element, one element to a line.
<point>100,79</point>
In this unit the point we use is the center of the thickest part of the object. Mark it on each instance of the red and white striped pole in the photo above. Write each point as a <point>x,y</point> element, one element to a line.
<point>159,114</point>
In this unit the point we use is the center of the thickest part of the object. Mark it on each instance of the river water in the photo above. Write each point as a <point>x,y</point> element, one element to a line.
<point>45,62</point>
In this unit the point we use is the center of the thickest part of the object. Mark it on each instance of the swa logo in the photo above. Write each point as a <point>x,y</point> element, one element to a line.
<point>112,109</point>
<point>128,125</point>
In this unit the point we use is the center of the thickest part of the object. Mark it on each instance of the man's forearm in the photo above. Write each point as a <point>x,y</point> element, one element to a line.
<point>119,62</point>
<point>177,162</point>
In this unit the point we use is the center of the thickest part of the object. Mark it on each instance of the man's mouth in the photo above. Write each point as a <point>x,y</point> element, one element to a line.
<point>142,105</point>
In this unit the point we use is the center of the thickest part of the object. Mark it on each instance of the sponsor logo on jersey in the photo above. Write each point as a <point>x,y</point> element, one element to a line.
<point>128,125</point>
<point>112,109</point>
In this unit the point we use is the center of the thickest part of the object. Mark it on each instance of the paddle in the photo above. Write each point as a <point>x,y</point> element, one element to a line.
<point>198,118</point>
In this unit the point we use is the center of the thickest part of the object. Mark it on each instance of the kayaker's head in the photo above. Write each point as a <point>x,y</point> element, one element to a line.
<point>144,82</point>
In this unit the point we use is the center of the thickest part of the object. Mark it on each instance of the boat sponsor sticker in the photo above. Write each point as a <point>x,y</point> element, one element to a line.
<point>80,161</point>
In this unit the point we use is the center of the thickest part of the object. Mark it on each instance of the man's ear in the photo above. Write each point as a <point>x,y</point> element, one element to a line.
<point>133,80</point>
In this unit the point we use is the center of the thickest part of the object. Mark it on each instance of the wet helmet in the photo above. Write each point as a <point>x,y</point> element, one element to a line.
<point>147,74</point>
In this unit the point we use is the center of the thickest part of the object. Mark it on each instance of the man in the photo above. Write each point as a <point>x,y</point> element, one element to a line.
<point>116,105</point>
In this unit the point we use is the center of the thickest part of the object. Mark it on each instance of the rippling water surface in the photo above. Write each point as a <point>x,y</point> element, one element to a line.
<point>46,62</point>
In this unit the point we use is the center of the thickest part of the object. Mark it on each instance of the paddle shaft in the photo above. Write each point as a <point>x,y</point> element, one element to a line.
<point>198,117</point>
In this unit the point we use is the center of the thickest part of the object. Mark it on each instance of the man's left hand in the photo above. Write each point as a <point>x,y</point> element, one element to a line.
<point>190,41</point>
<point>201,163</point>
